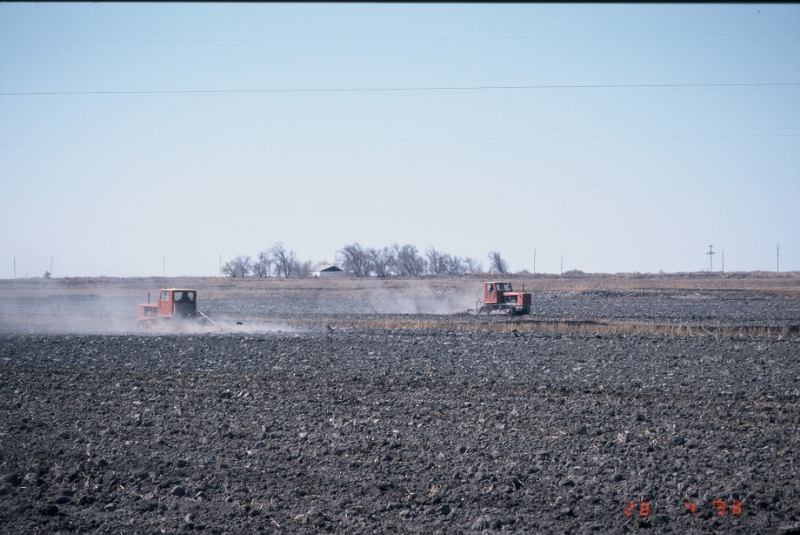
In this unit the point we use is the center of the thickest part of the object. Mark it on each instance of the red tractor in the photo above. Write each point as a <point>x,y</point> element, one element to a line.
<point>172,304</point>
<point>499,296</point>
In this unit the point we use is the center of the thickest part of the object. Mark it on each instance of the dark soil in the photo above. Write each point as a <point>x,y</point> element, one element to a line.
<point>399,432</point>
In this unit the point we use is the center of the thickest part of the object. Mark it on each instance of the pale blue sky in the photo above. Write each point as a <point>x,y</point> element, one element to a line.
<point>112,156</point>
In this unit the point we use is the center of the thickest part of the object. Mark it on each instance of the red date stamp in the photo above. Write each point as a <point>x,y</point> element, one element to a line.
<point>723,508</point>
<point>644,509</point>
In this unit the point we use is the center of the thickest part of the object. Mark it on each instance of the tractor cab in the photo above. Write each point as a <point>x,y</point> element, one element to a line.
<point>494,292</point>
<point>172,303</point>
<point>179,303</point>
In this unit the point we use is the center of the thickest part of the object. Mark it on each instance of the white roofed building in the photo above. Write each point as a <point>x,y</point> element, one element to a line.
<point>326,270</point>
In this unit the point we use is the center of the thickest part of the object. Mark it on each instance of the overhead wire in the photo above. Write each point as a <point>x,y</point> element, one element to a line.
<point>387,140</point>
<point>396,89</point>
<point>385,38</point>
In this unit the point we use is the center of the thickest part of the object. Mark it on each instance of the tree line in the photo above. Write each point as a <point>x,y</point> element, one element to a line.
<point>392,261</point>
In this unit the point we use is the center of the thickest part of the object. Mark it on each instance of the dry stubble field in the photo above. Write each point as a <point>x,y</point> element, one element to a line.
<point>363,406</point>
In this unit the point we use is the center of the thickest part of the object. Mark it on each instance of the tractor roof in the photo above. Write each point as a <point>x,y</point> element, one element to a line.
<point>178,290</point>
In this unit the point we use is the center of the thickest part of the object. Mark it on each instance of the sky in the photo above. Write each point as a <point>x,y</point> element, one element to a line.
<point>146,139</point>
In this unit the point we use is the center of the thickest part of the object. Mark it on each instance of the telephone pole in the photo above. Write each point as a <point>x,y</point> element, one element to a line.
<point>164,266</point>
<point>534,260</point>
<point>711,254</point>
<point>723,261</point>
<point>778,258</point>
<point>51,266</point>
<point>15,267</point>
<point>562,264</point>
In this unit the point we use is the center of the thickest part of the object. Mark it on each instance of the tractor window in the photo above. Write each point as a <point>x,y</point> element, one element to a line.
<point>508,287</point>
<point>190,296</point>
<point>489,288</point>
<point>165,296</point>
<point>178,296</point>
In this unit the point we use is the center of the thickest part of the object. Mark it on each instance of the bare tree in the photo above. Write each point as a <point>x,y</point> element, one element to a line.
<point>261,266</point>
<point>496,263</point>
<point>437,261</point>
<point>241,266</point>
<point>303,269</point>
<point>382,261</point>
<point>285,261</point>
<point>473,265</point>
<point>408,262</point>
<point>403,261</point>
<point>440,263</point>
<point>356,260</point>
<point>456,265</point>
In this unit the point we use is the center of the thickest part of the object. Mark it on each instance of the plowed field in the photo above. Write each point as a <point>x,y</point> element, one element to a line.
<point>589,417</point>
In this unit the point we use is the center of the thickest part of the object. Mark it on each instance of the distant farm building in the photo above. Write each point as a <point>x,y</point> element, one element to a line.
<point>327,270</point>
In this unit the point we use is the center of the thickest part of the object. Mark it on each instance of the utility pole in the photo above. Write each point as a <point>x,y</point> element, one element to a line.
<point>15,267</point>
<point>51,266</point>
<point>220,264</point>
<point>534,260</point>
<point>562,264</point>
<point>723,261</point>
<point>164,266</point>
<point>710,254</point>
<point>778,258</point>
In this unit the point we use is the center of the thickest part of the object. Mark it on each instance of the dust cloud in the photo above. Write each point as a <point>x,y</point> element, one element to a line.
<point>109,306</point>
<point>40,311</point>
<point>423,300</point>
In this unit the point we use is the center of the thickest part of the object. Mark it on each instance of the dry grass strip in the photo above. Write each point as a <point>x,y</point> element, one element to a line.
<point>533,325</point>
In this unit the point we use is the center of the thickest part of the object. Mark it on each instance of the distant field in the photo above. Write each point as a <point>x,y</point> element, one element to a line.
<point>216,287</point>
<point>735,303</point>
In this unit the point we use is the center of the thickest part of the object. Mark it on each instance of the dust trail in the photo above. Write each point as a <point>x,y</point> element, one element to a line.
<point>67,314</point>
<point>105,315</point>
<point>422,300</point>
<point>40,310</point>
<point>109,306</point>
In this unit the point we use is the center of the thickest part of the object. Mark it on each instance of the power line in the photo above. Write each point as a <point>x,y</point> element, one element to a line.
<point>710,254</point>
<point>389,89</point>
<point>393,140</point>
<point>387,187</point>
<point>423,38</point>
